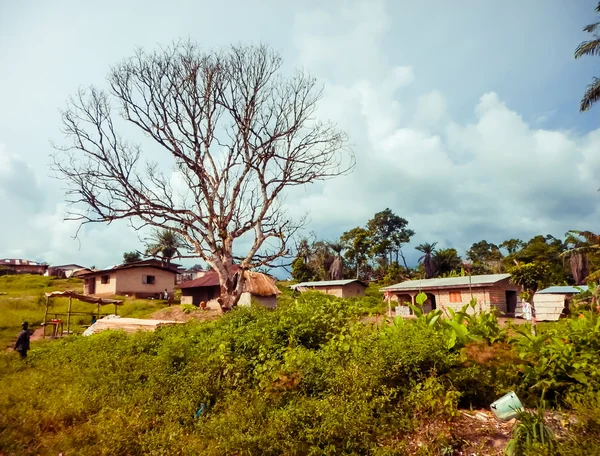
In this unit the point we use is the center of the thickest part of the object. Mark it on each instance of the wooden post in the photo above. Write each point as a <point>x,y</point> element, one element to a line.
<point>46,317</point>
<point>69,315</point>
<point>98,311</point>
<point>116,309</point>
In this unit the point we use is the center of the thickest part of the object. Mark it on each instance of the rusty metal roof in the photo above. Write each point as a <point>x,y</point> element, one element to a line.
<point>448,282</point>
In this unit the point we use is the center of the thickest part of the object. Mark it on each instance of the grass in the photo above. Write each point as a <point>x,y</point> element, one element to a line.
<point>22,299</point>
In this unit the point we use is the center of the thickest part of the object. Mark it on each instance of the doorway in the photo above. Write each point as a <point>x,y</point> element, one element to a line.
<point>511,302</point>
<point>91,285</point>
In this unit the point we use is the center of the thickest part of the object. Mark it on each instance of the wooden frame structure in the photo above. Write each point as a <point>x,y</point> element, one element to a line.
<point>83,298</point>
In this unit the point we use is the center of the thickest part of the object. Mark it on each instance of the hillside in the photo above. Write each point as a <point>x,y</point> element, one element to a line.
<point>22,299</point>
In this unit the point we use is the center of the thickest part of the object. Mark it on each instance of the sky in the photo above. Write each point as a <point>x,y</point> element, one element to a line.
<point>463,115</point>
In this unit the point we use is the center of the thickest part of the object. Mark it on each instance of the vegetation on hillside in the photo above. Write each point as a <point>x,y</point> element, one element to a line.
<point>376,253</point>
<point>22,299</point>
<point>307,378</point>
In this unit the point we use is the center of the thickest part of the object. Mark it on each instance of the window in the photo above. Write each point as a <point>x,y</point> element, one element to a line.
<point>455,296</point>
<point>104,279</point>
<point>149,279</point>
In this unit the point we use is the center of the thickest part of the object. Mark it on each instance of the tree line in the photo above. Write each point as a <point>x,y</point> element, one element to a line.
<point>376,252</point>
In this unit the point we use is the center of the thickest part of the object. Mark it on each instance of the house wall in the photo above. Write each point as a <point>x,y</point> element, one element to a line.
<point>270,302</point>
<point>548,307</point>
<point>129,282</point>
<point>350,290</point>
<point>196,295</point>
<point>102,289</point>
<point>487,297</point>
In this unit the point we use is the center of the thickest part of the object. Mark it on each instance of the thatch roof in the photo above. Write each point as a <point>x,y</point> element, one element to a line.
<point>259,284</point>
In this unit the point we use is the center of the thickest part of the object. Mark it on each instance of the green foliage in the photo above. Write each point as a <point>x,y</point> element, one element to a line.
<point>531,276</point>
<point>460,327</point>
<point>531,434</point>
<point>301,271</point>
<point>188,308</point>
<point>446,261</point>
<point>563,359</point>
<point>131,257</point>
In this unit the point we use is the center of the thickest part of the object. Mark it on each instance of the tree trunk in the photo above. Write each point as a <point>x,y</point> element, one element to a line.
<point>357,269</point>
<point>404,260</point>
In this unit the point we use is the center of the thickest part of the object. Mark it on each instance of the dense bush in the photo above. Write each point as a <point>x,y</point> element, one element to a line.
<point>306,378</point>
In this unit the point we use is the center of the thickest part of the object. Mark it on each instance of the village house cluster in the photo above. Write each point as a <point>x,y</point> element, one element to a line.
<point>150,278</point>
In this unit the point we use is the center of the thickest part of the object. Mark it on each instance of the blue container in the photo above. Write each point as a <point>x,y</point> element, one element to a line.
<point>507,407</point>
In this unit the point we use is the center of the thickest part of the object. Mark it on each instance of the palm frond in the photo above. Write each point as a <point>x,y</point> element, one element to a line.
<point>591,28</point>
<point>598,8</point>
<point>591,96</point>
<point>591,47</point>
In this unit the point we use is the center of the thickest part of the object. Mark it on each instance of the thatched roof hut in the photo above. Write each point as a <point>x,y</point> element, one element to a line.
<point>258,287</point>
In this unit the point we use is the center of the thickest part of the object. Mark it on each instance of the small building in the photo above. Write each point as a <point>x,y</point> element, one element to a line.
<point>490,290</point>
<point>19,266</point>
<point>66,270</point>
<point>258,287</point>
<point>349,288</point>
<point>553,302</point>
<point>141,279</point>
<point>186,275</point>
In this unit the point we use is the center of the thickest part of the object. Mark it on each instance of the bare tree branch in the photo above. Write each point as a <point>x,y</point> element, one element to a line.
<point>233,134</point>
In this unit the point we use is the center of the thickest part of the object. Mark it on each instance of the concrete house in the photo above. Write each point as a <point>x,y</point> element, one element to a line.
<point>350,288</point>
<point>141,279</point>
<point>550,303</point>
<point>490,290</point>
<point>258,287</point>
<point>19,266</point>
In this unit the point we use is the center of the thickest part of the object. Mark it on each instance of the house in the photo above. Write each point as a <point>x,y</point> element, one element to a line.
<point>490,290</point>
<point>66,270</point>
<point>350,288</point>
<point>185,275</point>
<point>258,287</point>
<point>141,279</point>
<point>18,266</point>
<point>550,303</point>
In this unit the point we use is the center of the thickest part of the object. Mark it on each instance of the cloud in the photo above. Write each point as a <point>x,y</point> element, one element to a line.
<point>493,177</point>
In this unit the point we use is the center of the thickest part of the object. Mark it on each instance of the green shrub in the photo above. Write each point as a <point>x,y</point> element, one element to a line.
<point>563,359</point>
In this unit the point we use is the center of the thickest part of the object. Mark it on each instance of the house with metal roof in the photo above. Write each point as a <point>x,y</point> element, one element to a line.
<point>349,288</point>
<point>553,302</point>
<point>10,266</point>
<point>142,279</point>
<point>490,290</point>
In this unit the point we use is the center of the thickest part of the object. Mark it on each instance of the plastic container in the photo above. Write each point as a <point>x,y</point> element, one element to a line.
<point>507,407</point>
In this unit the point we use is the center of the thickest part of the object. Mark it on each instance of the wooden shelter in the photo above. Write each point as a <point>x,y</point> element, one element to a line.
<point>83,298</point>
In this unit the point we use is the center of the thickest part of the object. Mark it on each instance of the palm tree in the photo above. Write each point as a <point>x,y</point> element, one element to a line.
<point>165,245</point>
<point>428,251</point>
<point>579,251</point>
<point>591,47</point>
<point>336,271</point>
<point>446,261</point>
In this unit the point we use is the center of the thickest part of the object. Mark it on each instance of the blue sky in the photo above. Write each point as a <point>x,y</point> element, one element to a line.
<point>463,115</point>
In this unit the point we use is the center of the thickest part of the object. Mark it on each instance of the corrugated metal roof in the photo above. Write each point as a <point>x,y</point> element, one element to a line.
<point>210,279</point>
<point>448,282</point>
<point>564,289</point>
<point>327,283</point>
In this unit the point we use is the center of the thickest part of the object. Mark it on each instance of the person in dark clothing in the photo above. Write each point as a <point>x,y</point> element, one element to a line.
<point>22,344</point>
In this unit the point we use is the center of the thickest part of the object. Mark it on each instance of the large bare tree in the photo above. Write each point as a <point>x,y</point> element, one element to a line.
<point>231,130</point>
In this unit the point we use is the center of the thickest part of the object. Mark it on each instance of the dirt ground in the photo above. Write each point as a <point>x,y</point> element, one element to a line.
<point>481,434</point>
<point>176,313</point>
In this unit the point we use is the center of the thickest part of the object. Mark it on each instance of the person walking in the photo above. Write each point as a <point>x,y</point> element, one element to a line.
<point>22,344</point>
<point>166,296</point>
